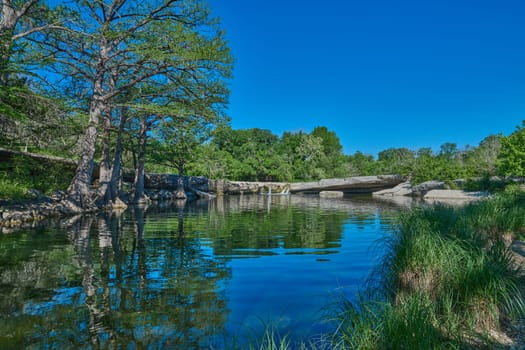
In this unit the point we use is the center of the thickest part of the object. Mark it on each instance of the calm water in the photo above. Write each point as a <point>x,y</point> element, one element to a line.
<point>187,277</point>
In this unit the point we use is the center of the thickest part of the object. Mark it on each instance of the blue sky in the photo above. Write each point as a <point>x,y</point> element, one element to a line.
<point>380,73</point>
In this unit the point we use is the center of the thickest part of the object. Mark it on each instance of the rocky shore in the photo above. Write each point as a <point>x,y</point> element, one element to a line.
<point>163,187</point>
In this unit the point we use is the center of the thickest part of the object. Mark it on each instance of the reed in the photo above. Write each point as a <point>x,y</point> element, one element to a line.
<point>448,279</point>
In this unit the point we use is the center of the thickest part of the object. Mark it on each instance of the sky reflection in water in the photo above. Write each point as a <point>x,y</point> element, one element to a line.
<point>187,276</point>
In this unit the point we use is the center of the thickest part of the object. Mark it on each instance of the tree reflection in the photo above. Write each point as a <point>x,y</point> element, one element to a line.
<point>151,277</point>
<point>130,288</point>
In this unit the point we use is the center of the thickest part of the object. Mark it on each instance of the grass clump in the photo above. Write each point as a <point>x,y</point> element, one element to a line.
<point>21,174</point>
<point>447,281</point>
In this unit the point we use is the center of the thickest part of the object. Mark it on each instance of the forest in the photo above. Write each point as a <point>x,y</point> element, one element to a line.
<point>144,86</point>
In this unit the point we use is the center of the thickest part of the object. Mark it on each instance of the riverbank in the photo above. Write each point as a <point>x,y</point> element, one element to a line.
<point>448,281</point>
<point>451,280</point>
<point>164,187</point>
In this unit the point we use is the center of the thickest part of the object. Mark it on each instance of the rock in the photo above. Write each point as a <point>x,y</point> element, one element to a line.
<point>516,179</point>
<point>221,187</point>
<point>331,194</point>
<point>57,196</point>
<point>180,195</point>
<point>403,189</point>
<point>459,182</point>
<point>119,204</point>
<point>202,194</point>
<point>34,193</point>
<point>163,195</point>
<point>422,189</point>
<point>358,184</point>
<point>457,197</point>
<point>169,182</point>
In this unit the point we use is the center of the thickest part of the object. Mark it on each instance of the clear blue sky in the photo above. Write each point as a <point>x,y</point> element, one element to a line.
<point>380,73</point>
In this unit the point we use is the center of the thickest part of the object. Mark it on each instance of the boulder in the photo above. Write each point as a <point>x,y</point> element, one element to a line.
<point>453,196</point>
<point>331,194</point>
<point>422,189</point>
<point>169,182</point>
<point>221,187</point>
<point>403,189</point>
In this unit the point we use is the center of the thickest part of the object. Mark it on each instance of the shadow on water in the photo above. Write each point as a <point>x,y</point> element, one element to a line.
<point>183,275</point>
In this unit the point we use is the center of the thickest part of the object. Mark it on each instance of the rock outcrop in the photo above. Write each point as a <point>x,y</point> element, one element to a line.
<point>169,182</point>
<point>403,189</point>
<point>453,196</point>
<point>406,189</point>
<point>358,184</point>
<point>423,188</point>
<point>221,187</point>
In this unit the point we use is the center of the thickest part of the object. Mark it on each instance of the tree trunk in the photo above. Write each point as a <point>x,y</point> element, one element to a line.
<point>105,172</point>
<point>7,27</point>
<point>9,17</point>
<point>180,193</point>
<point>117,162</point>
<point>79,190</point>
<point>138,184</point>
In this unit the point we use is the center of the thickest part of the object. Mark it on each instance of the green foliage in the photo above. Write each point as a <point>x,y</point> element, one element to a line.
<point>21,174</point>
<point>360,164</point>
<point>11,188</point>
<point>482,160</point>
<point>333,160</point>
<point>396,161</point>
<point>259,155</point>
<point>445,166</point>
<point>511,160</point>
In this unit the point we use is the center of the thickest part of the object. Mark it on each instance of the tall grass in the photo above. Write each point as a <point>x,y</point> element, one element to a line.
<point>448,279</point>
<point>20,174</point>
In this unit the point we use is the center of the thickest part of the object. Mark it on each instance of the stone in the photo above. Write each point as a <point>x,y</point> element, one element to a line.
<point>169,182</point>
<point>331,194</point>
<point>403,189</point>
<point>221,187</point>
<point>180,194</point>
<point>119,204</point>
<point>422,189</point>
<point>34,193</point>
<point>457,197</point>
<point>58,195</point>
<point>358,184</point>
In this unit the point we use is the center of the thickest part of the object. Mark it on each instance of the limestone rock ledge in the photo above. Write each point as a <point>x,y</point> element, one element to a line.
<point>357,184</point>
<point>453,196</point>
<point>407,189</point>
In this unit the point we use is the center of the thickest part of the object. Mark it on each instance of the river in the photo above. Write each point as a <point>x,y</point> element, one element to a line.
<point>200,275</point>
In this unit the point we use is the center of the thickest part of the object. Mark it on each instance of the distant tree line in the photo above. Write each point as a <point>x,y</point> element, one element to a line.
<point>260,155</point>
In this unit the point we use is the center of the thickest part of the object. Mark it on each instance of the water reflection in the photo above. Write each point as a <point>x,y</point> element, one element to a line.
<point>171,276</point>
